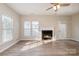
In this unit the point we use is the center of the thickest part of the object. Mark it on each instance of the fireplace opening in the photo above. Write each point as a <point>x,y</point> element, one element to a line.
<point>46,34</point>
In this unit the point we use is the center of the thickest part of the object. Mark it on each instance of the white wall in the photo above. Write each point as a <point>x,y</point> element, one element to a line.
<point>75,27</point>
<point>48,20</point>
<point>4,10</point>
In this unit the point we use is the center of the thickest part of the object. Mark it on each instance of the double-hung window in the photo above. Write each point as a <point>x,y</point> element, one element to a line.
<point>27,28</point>
<point>31,28</point>
<point>7,28</point>
<point>35,28</point>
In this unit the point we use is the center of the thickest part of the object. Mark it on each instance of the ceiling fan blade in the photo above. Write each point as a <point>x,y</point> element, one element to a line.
<point>61,4</point>
<point>49,8</point>
<point>64,4</point>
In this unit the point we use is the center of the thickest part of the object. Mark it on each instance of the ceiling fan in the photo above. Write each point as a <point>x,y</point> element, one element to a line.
<point>56,6</point>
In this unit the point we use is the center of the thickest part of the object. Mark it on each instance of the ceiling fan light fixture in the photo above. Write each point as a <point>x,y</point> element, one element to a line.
<point>55,7</point>
<point>58,6</point>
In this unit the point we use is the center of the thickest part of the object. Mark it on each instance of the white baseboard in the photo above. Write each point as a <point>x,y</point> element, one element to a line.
<point>76,40</point>
<point>32,39</point>
<point>64,39</point>
<point>9,46</point>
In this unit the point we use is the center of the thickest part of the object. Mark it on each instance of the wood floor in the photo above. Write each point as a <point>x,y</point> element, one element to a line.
<point>43,48</point>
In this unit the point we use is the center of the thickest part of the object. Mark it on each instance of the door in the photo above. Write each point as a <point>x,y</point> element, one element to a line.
<point>62,31</point>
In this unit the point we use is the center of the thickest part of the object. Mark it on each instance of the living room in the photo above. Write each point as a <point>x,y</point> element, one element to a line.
<point>26,23</point>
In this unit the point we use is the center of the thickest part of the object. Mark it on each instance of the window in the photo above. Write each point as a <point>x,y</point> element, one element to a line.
<point>31,28</point>
<point>7,28</point>
<point>35,28</point>
<point>27,28</point>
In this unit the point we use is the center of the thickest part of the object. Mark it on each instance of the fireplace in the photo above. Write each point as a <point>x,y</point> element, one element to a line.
<point>47,34</point>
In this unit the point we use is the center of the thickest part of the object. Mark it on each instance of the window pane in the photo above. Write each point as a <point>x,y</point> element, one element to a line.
<point>35,32</point>
<point>27,28</point>
<point>7,35</point>
<point>7,31</point>
<point>7,22</point>
<point>27,32</point>
<point>35,24</point>
<point>35,28</point>
<point>27,25</point>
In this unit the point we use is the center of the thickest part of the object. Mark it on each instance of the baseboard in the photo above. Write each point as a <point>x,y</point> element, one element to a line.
<point>8,46</point>
<point>32,39</point>
<point>76,40</point>
<point>65,39</point>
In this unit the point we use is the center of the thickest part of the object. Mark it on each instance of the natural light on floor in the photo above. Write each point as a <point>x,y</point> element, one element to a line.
<point>31,45</point>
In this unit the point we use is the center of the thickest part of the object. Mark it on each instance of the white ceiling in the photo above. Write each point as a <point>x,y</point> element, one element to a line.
<point>40,9</point>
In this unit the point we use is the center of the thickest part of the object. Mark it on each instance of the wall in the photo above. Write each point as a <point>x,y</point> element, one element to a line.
<point>48,20</point>
<point>4,10</point>
<point>75,27</point>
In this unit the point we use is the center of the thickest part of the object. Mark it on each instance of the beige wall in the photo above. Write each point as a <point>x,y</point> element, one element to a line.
<point>48,20</point>
<point>4,10</point>
<point>75,27</point>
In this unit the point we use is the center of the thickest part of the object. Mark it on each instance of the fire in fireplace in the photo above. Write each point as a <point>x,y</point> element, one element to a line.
<point>47,34</point>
